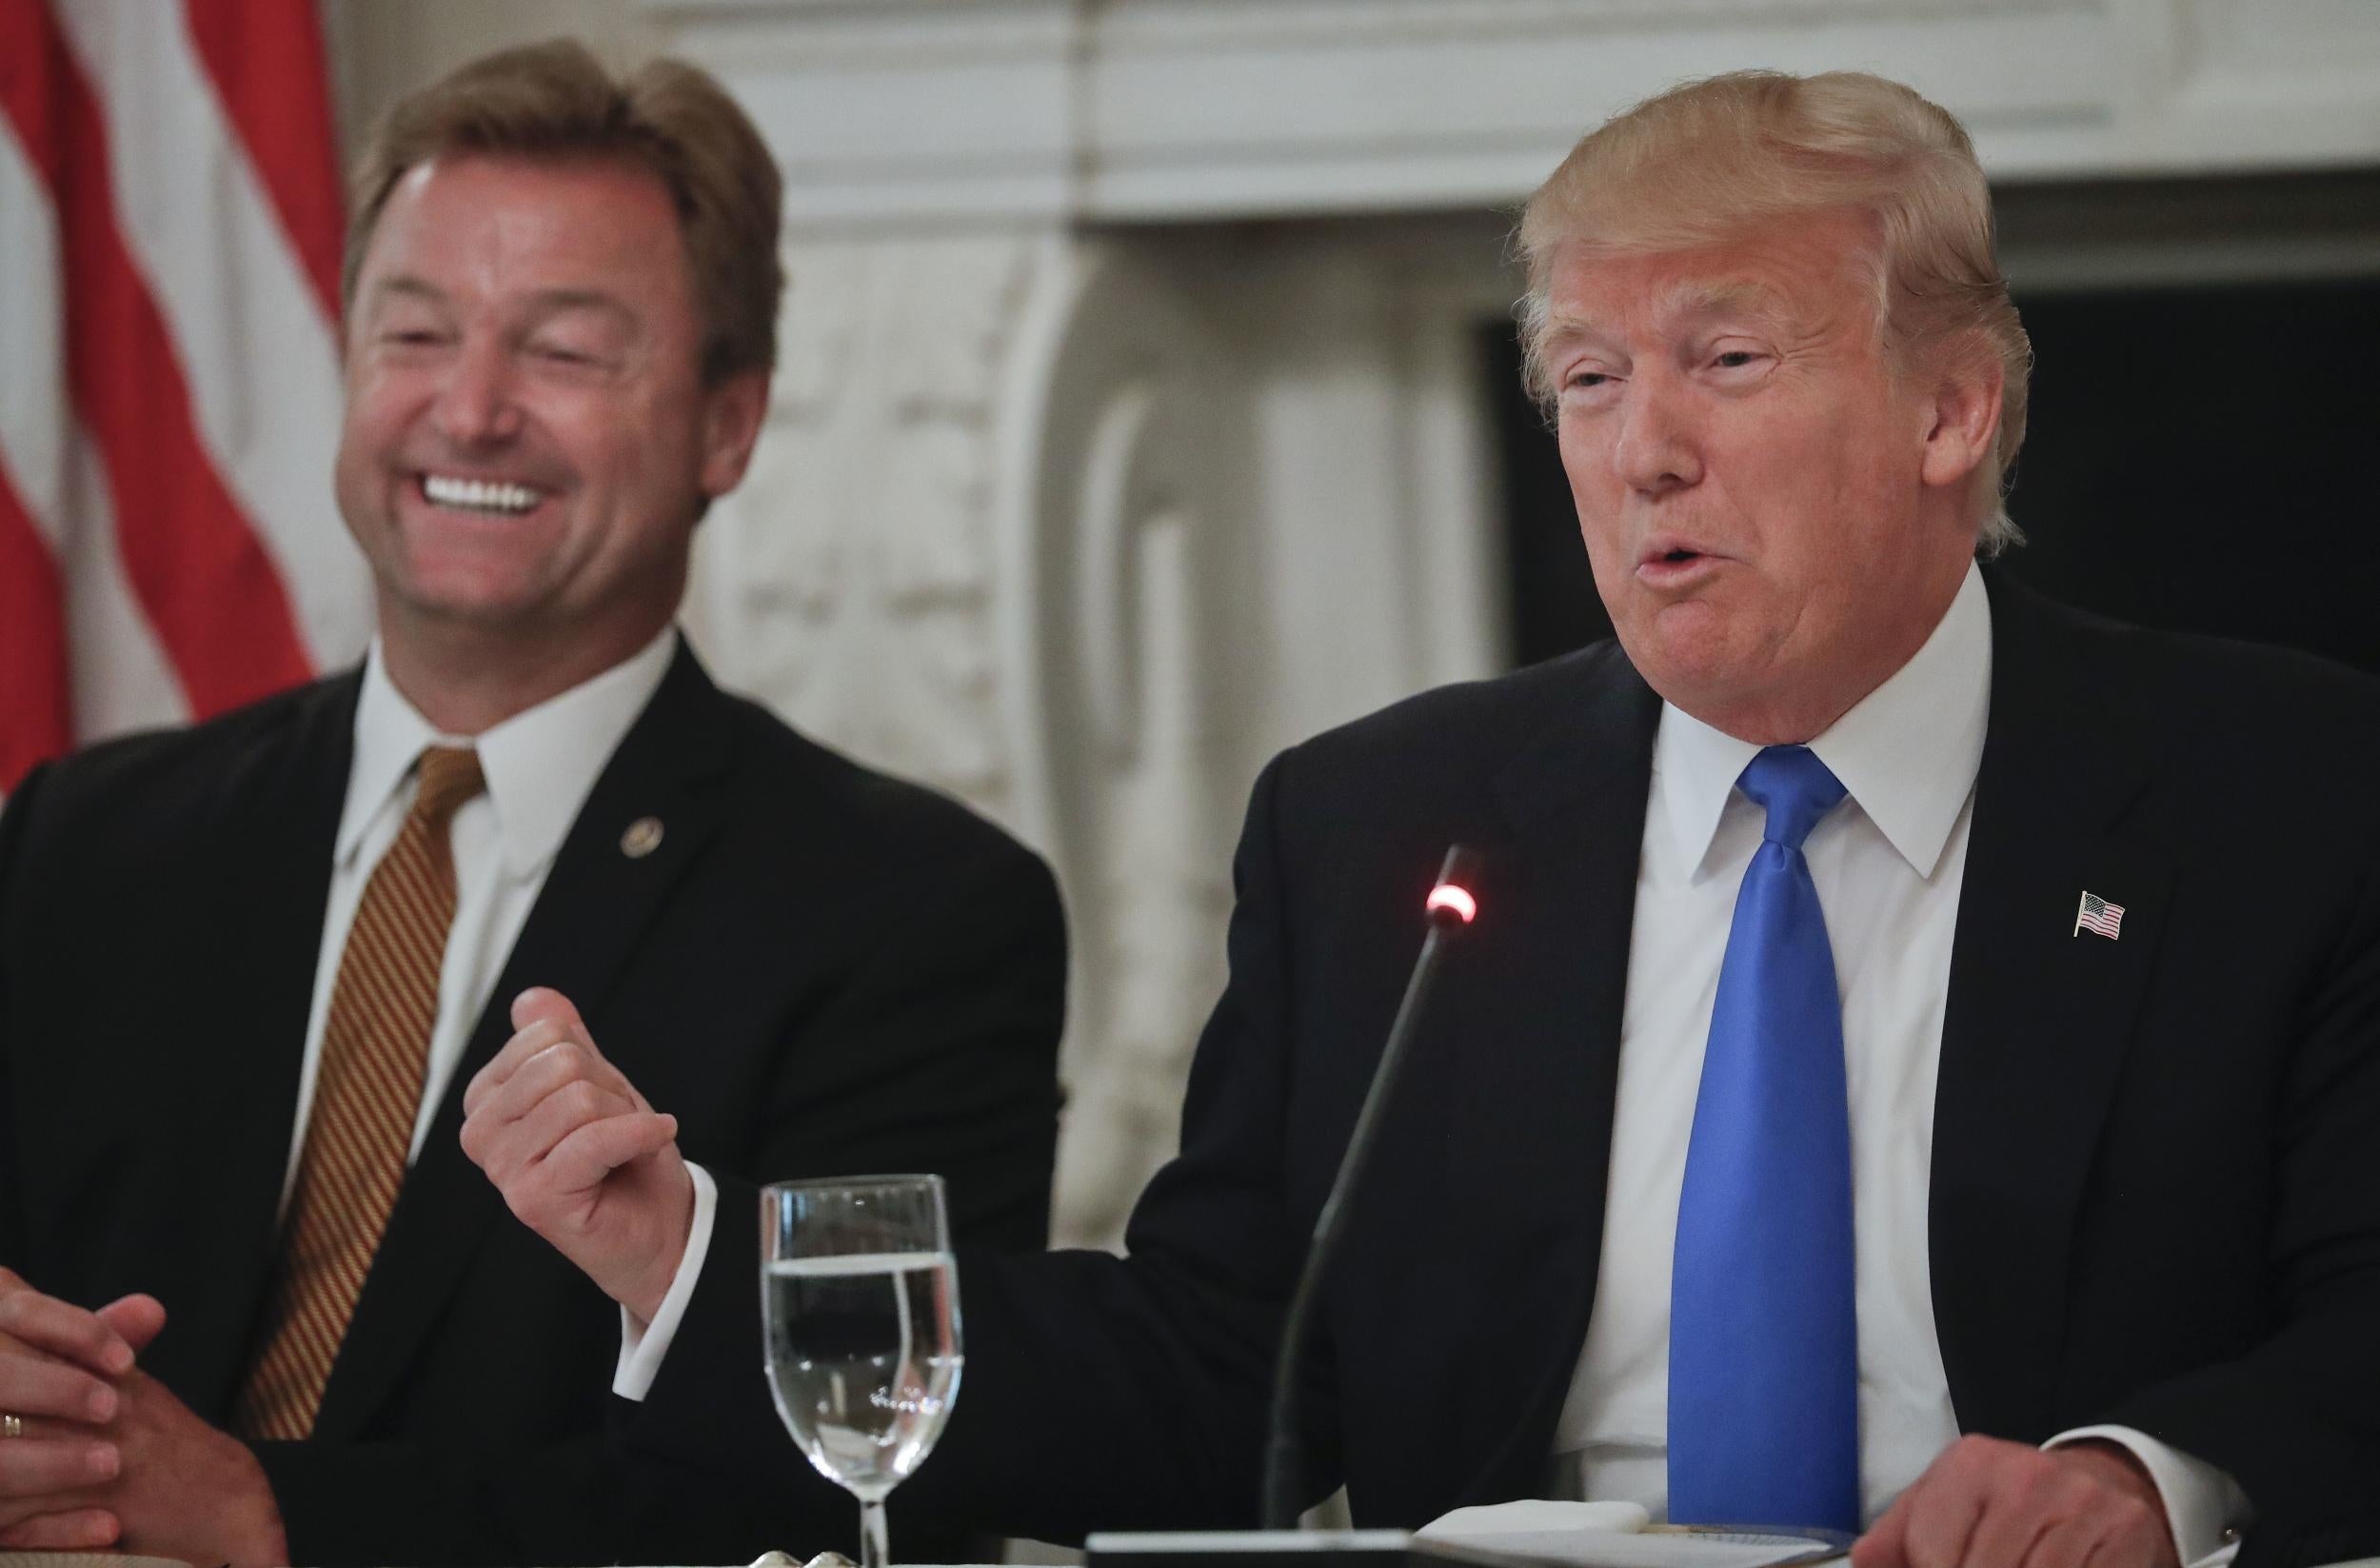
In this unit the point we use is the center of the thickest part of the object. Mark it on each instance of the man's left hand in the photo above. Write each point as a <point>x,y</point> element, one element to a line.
<point>178,1488</point>
<point>187,1490</point>
<point>1985,1503</point>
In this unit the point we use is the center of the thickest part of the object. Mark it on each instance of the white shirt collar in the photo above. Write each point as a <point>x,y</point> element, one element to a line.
<point>540,763</point>
<point>1907,752</point>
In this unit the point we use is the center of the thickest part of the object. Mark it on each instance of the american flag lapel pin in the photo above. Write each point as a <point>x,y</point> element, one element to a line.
<point>2096,914</point>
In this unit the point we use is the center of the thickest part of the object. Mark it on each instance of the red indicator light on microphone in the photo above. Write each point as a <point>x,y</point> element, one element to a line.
<point>1447,896</point>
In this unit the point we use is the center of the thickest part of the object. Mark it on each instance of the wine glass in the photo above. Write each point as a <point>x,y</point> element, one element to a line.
<point>860,1304</point>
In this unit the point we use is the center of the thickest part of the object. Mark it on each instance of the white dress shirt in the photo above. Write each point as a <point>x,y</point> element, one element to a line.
<point>1888,864</point>
<point>540,765</point>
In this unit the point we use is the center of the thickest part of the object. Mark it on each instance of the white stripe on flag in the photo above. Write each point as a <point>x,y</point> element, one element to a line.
<point>260,362</point>
<point>33,360</point>
<point>121,676</point>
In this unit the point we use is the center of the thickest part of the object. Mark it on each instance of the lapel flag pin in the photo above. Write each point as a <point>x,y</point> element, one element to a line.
<point>2097,914</point>
<point>643,835</point>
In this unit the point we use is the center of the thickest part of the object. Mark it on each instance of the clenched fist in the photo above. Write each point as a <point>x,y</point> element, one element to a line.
<point>579,1156</point>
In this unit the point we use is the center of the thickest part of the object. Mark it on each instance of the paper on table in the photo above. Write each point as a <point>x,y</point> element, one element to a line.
<point>1536,1514</point>
<point>1613,1534</point>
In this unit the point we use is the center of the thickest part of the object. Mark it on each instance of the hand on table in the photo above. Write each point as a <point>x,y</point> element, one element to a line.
<point>579,1155</point>
<point>1987,1504</point>
<point>109,1457</point>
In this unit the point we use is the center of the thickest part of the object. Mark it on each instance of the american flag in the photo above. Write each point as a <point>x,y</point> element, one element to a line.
<point>2097,914</point>
<point>170,232</point>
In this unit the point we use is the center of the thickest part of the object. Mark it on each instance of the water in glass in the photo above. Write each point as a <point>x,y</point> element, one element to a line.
<point>860,1307</point>
<point>863,1360</point>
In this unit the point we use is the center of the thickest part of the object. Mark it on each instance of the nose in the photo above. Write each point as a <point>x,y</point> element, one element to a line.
<point>1657,450</point>
<point>476,406</point>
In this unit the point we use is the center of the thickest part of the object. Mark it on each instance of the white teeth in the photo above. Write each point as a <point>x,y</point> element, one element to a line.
<point>478,495</point>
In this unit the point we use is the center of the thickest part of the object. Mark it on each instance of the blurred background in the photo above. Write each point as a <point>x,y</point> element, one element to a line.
<point>1148,396</point>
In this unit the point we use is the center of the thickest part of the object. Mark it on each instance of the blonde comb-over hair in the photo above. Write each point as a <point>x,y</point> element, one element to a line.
<point>1709,160</point>
<point>555,100</point>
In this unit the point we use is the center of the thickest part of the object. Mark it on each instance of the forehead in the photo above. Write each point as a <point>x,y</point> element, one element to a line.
<point>1803,272</point>
<point>476,222</point>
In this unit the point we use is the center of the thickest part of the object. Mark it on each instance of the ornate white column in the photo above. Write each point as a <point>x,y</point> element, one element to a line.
<point>977,548</point>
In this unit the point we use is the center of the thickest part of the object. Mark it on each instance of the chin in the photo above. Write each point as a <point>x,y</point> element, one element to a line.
<point>1692,639</point>
<point>1701,672</point>
<point>464,601</point>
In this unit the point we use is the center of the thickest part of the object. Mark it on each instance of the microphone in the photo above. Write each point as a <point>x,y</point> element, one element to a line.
<point>1449,907</point>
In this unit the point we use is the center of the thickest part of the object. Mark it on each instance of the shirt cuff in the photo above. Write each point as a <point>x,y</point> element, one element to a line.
<point>2203,1505</point>
<point>642,1347</point>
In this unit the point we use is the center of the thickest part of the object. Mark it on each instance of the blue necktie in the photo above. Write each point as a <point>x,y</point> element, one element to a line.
<point>1764,1354</point>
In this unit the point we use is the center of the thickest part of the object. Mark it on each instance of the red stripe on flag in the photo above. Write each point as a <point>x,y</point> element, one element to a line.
<point>204,581</point>
<point>266,57</point>
<point>36,721</point>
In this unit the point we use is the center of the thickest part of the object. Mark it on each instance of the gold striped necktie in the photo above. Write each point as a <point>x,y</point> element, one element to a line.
<point>366,1097</point>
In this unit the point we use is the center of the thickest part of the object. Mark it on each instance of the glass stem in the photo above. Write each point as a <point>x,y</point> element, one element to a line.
<point>875,1548</point>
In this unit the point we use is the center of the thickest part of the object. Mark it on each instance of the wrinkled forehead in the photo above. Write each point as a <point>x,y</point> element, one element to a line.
<point>1788,276</point>
<point>1660,296</point>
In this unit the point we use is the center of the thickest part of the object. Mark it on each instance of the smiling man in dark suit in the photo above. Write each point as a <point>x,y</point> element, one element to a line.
<point>1917,1066</point>
<point>256,1305</point>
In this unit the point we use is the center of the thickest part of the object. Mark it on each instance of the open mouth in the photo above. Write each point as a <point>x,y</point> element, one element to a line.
<point>1670,564</point>
<point>486,497</point>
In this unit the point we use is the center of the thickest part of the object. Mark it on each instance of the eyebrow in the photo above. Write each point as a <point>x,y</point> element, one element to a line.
<point>553,299</point>
<point>411,287</point>
<point>547,302</point>
<point>1735,297</point>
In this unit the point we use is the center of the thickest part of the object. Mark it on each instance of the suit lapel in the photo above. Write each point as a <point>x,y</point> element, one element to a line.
<point>581,937</point>
<point>1557,900</point>
<point>2038,1018</point>
<point>275,826</point>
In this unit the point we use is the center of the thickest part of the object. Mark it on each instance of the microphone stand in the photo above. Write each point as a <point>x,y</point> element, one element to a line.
<point>1450,910</point>
<point>1281,1545</point>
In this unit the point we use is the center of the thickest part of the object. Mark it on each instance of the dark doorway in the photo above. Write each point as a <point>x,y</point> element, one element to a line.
<point>2199,459</point>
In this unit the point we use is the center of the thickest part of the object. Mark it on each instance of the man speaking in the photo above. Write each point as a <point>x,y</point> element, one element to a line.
<point>257,1306</point>
<point>1915,1066</point>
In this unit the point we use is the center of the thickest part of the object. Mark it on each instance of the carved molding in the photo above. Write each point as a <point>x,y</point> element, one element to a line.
<point>851,579</point>
<point>1142,109</point>
<point>2225,85</point>
<point>1129,540</point>
<point>1082,529</point>
<point>976,547</point>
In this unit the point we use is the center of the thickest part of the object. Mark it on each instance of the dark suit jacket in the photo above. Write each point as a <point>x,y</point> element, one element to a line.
<point>2156,1168</point>
<point>818,971</point>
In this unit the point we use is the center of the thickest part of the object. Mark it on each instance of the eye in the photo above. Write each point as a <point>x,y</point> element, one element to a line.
<point>572,353</point>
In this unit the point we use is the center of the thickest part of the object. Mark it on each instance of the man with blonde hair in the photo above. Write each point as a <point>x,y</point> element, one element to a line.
<point>256,1303</point>
<point>1916,1064</point>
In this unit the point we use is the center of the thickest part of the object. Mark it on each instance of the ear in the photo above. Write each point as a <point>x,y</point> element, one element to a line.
<point>1964,417</point>
<point>732,412</point>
